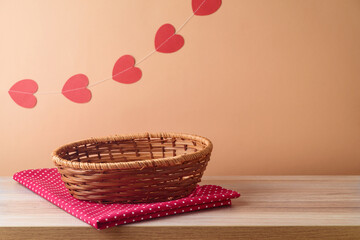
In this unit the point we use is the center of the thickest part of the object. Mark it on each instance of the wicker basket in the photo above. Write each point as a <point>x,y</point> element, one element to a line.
<point>133,168</point>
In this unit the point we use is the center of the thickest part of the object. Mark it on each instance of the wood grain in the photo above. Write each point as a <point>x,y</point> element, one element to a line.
<point>271,207</point>
<point>172,233</point>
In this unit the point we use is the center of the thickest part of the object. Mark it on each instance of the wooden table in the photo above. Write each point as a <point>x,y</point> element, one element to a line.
<point>271,207</point>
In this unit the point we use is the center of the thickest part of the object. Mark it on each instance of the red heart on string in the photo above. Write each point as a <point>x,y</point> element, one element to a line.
<point>205,7</point>
<point>124,70</point>
<point>75,89</point>
<point>22,93</point>
<point>166,41</point>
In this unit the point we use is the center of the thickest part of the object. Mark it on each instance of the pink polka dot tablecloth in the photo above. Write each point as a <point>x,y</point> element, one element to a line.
<point>47,183</point>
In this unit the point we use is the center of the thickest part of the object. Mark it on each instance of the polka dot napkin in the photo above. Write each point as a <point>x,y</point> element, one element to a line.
<point>47,183</point>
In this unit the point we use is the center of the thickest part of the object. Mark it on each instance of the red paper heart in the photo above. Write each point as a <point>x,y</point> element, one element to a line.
<point>124,70</point>
<point>22,93</point>
<point>75,89</point>
<point>166,41</point>
<point>205,7</point>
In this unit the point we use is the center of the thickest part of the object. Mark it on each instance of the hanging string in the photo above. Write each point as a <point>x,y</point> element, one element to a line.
<point>136,64</point>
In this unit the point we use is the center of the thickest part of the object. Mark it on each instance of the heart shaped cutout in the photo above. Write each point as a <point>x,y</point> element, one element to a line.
<point>124,70</point>
<point>205,7</point>
<point>166,41</point>
<point>75,89</point>
<point>22,92</point>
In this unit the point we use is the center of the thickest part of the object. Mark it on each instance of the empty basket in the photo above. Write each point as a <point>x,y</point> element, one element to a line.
<point>133,168</point>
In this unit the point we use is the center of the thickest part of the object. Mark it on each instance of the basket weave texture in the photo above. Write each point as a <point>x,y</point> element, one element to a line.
<point>149,167</point>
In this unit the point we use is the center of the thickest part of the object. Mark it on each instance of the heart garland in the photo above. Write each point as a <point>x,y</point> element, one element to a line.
<point>23,91</point>
<point>166,39</point>
<point>76,88</point>
<point>204,8</point>
<point>124,70</point>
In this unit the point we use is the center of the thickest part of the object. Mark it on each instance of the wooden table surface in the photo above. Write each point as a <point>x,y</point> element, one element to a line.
<point>271,207</point>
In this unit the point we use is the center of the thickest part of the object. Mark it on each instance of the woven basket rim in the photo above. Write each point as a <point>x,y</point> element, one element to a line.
<point>168,161</point>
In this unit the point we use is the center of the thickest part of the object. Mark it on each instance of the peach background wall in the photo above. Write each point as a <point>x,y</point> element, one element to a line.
<point>275,84</point>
